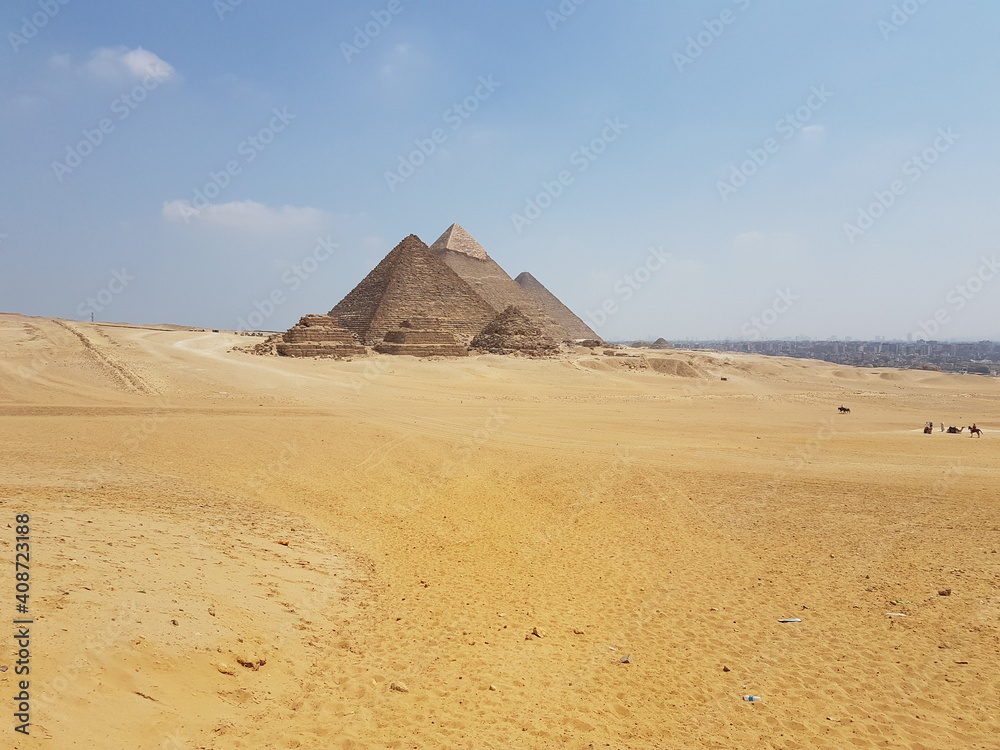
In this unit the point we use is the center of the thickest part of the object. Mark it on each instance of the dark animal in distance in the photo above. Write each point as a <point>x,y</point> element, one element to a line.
<point>975,431</point>
<point>955,430</point>
<point>843,410</point>
<point>928,430</point>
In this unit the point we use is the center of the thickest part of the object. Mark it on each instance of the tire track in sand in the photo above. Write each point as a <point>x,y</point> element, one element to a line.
<point>116,369</point>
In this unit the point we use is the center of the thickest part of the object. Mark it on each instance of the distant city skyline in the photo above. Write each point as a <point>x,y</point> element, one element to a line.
<point>719,169</point>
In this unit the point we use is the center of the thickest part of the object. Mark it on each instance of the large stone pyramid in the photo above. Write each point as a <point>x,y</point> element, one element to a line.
<point>555,309</point>
<point>468,259</point>
<point>412,282</point>
<point>457,240</point>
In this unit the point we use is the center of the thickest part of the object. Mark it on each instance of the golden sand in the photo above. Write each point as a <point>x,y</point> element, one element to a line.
<point>231,551</point>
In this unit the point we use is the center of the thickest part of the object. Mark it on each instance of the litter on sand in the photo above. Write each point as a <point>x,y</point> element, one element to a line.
<point>791,619</point>
<point>895,614</point>
<point>751,698</point>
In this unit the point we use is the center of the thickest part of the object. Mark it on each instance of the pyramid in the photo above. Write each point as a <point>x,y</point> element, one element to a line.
<point>555,309</point>
<point>456,239</point>
<point>468,259</point>
<point>318,336</point>
<point>421,339</point>
<point>661,343</point>
<point>512,332</point>
<point>411,282</point>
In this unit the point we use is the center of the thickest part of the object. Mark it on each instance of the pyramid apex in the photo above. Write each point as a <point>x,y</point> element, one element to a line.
<point>456,239</point>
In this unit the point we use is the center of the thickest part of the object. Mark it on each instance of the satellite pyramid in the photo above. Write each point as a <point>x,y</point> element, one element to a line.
<point>469,259</point>
<point>421,339</point>
<point>412,283</point>
<point>318,336</point>
<point>555,309</point>
<point>512,332</point>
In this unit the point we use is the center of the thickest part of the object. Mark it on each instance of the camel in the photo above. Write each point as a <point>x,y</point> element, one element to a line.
<point>843,410</point>
<point>955,430</point>
<point>928,430</point>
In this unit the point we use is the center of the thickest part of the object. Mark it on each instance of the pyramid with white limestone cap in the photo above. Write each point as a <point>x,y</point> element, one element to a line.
<point>466,257</point>
<point>457,240</point>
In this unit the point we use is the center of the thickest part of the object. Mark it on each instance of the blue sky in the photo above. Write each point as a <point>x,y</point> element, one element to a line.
<point>719,169</point>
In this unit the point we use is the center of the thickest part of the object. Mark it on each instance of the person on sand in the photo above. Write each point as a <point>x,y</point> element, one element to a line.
<point>942,427</point>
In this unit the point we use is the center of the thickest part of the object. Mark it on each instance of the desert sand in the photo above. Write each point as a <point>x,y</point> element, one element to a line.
<point>234,551</point>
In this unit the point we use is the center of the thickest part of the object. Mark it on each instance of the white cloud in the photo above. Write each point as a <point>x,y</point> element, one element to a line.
<point>122,62</point>
<point>247,216</point>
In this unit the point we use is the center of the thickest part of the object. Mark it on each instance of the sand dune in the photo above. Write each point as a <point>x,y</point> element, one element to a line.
<point>233,551</point>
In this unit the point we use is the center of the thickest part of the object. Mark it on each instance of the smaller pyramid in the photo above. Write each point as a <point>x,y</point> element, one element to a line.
<point>661,343</point>
<point>419,339</point>
<point>512,332</point>
<point>318,336</point>
<point>554,309</point>
<point>457,240</point>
